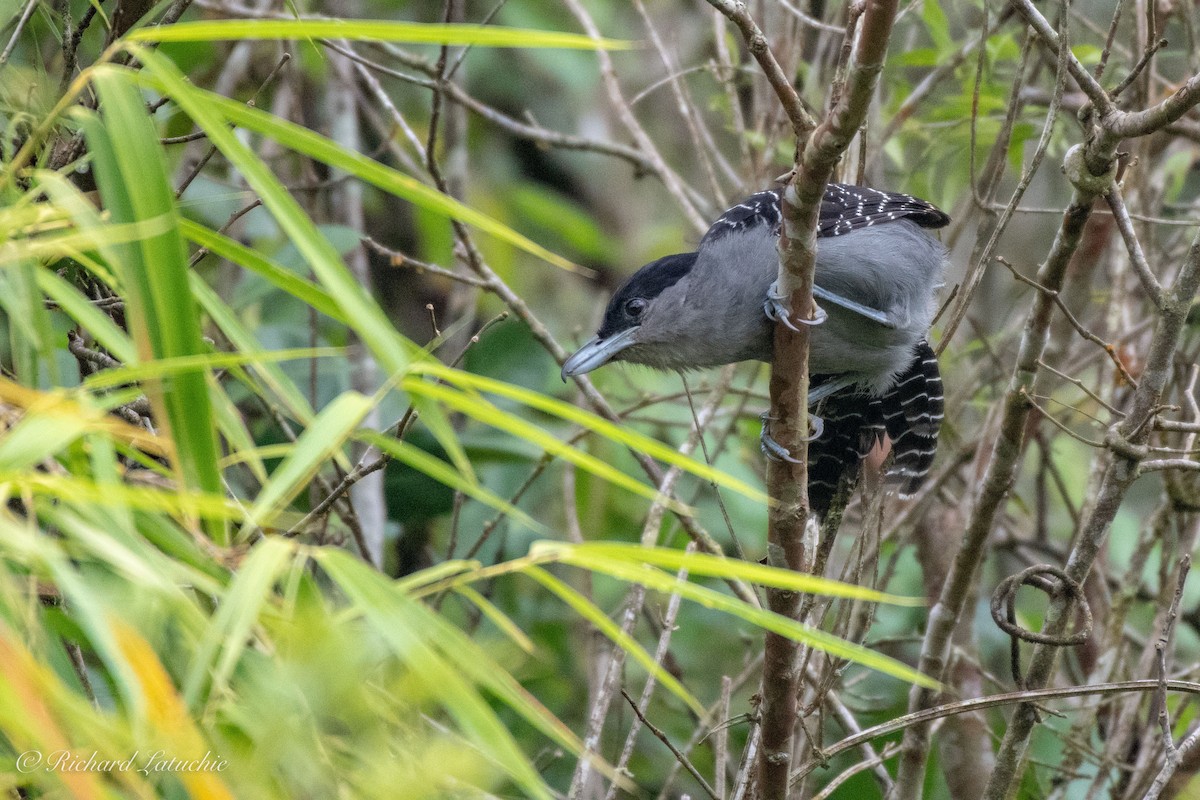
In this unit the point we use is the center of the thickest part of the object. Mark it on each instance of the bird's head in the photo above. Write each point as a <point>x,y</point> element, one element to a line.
<point>633,318</point>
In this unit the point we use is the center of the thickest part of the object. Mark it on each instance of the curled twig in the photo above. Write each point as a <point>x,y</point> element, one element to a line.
<point>1004,611</point>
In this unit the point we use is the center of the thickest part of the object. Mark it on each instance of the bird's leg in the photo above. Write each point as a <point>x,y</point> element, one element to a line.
<point>777,311</point>
<point>777,452</point>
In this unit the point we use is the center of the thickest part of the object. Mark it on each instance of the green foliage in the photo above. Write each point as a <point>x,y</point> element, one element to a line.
<point>149,601</point>
<point>198,353</point>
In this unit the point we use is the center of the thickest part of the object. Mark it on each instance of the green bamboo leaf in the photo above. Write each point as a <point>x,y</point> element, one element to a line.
<point>305,291</point>
<point>630,438</point>
<point>600,621</point>
<point>480,667</point>
<point>166,367</point>
<point>653,578</point>
<point>370,31</point>
<point>90,318</point>
<point>478,408</point>
<point>433,574</point>
<point>228,631</point>
<point>361,312</point>
<point>159,305</point>
<point>364,316</point>
<point>219,110</point>
<point>32,340</point>
<point>408,628</point>
<point>323,439</point>
<point>716,567</point>
<point>444,473</point>
<point>38,437</point>
<point>134,558</point>
<point>177,502</point>
<point>233,428</point>
<point>498,618</point>
<point>275,381</point>
<point>51,246</point>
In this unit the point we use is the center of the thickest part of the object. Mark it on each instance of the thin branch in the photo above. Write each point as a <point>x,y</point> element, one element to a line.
<point>1136,257</point>
<point>979,704</point>
<point>1054,295</point>
<point>612,85</point>
<point>662,737</point>
<point>1142,63</point>
<point>660,654</point>
<point>30,5</point>
<point>737,13</point>
<point>1127,440</point>
<point>974,277</point>
<point>1160,464</point>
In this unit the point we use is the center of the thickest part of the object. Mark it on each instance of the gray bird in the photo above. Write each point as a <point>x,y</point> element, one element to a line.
<point>872,370</point>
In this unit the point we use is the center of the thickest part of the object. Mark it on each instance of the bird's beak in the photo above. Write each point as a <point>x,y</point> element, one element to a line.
<point>597,353</point>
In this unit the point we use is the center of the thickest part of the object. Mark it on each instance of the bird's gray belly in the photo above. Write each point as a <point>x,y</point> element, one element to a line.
<point>847,344</point>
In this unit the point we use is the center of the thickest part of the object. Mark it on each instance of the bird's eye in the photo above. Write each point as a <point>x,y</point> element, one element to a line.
<point>635,307</point>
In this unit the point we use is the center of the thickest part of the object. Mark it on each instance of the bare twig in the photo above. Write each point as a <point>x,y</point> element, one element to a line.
<point>1136,256</point>
<point>22,21</point>
<point>1127,440</point>
<point>662,737</point>
<point>737,13</point>
<point>616,97</point>
<point>981,703</point>
<point>660,653</point>
<point>1056,296</point>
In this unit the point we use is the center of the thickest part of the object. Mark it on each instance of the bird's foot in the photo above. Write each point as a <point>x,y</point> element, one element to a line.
<point>777,311</point>
<point>777,452</point>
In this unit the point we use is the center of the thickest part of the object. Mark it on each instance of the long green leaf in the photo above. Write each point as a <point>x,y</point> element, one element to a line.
<point>444,473</point>
<point>328,151</point>
<point>273,378</point>
<point>165,367</point>
<point>370,31</point>
<point>324,438</point>
<point>229,629</point>
<point>715,567</point>
<point>405,625</point>
<point>132,176</point>
<point>357,307</point>
<point>586,609</point>
<point>395,352</point>
<point>478,408</point>
<point>666,583</point>
<point>256,262</point>
<point>98,324</point>
<point>623,435</point>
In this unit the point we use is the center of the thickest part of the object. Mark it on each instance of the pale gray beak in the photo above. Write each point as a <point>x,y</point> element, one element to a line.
<point>597,353</point>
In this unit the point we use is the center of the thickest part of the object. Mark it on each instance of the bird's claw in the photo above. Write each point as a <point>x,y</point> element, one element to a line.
<point>777,452</point>
<point>777,311</point>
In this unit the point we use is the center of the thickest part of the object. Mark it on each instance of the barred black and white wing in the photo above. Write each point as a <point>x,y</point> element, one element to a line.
<point>761,209</point>
<point>912,415</point>
<point>844,208</point>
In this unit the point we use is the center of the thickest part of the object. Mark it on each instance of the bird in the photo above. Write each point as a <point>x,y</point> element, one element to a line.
<point>872,370</point>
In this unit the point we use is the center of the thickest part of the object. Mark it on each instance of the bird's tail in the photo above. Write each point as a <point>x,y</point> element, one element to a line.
<point>853,424</point>
<point>910,413</point>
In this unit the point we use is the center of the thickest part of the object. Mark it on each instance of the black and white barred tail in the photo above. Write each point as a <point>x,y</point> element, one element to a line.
<point>910,414</point>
